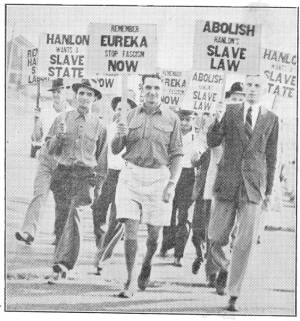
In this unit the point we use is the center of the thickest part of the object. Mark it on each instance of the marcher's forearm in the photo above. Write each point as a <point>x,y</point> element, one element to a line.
<point>175,168</point>
<point>117,144</point>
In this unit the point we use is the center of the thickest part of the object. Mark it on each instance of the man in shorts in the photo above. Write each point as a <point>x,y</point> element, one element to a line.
<point>152,137</point>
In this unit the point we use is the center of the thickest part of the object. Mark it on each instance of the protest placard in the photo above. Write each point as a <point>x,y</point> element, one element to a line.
<point>174,86</point>
<point>29,67</point>
<point>108,84</point>
<point>226,46</point>
<point>121,49</point>
<point>62,55</point>
<point>204,91</point>
<point>280,70</point>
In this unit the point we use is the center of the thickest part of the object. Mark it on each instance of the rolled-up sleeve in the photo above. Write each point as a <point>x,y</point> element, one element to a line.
<point>175,146</point>
<point>51,138</point>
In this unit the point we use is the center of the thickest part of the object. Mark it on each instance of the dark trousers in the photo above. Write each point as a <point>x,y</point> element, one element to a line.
<point>70,186</point>
<point>200,224</point>
<point>101,205</point>
<point>176,235</point>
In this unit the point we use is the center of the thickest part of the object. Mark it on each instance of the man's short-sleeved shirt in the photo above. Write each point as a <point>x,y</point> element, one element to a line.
<point>153,139</point>
<point>86,139</point>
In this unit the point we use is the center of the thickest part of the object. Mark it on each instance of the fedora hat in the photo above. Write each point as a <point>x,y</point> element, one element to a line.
<point>116,100</point>
<point>57,84</point>
<point>86,83</point>
<point>236,88</point>
<point>185,112</point>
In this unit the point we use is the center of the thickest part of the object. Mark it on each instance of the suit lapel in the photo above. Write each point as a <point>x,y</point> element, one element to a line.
<point>260,124</point>
<point>239,120</point>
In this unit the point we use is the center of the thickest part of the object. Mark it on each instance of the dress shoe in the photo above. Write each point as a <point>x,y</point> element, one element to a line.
<point>196,264</point>
<point>221,282</point>
<point>232,307</point>
<point>99,270</point>
<point>218,257</point>
<point>144,277</point>
<point>59,274</point>
<point>177,262</point>
<point>25,237</point>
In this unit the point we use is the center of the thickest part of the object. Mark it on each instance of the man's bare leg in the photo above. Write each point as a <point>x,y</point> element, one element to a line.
<point>153,234</point>
<point>130,247</point>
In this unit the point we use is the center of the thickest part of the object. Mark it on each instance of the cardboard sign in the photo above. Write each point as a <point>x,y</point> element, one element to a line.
<point>204,91</point>
<point>62,55</point>
<point>174,86</point>
<point>280,70</point>
<point>227,46</point>
<point>112,85</point>
<point>121,49</point>
<point>108,84</point>
<point>29,67</point>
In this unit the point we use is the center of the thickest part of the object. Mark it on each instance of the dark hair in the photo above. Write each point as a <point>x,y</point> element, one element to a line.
<point>116,100</point>
<point>150,76</point>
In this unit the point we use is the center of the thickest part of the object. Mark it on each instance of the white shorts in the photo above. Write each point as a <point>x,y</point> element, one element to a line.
<point>139,195</point>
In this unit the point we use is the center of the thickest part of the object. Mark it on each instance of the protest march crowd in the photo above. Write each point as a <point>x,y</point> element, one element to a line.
<point>215,150</point>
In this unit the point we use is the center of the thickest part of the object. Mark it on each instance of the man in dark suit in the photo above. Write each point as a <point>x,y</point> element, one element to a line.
<point>244,179</point>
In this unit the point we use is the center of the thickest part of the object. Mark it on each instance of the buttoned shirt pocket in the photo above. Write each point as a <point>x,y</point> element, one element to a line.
<point>135,130</point>
<point>162,133</point>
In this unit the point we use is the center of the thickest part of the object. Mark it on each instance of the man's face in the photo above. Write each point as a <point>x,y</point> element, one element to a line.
<point>118,110</point>
<point>186,122</point>
<point>152,92</point>
<point>253,89</point>
<point>237,98</point>
<point>58,97</point>
<point>85,97</point>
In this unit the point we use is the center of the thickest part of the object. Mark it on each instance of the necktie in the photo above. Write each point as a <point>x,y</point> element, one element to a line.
<point>248,123</point>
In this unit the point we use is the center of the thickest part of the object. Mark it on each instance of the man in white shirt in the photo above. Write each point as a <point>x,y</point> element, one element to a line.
<point>100,207</point>
<point>176,235</point>
<point>46,166</point>
<point>244,180</point>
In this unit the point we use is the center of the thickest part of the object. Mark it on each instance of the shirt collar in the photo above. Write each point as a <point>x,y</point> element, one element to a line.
<point>83,116</point>
<point>254,106</point>
<point>158,110</point>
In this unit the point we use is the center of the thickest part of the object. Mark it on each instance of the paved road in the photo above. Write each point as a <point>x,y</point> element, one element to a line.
<point>269,287</point>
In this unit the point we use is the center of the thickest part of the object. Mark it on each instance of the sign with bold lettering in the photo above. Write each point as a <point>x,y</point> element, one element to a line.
<point>29,67</point>
<point>174,86</point>
<point>280,70</point>
<point>62,55</point>
<point>204,91</point>
<point>108,84</point>
<point>227,46</point>
<point>121,49</point>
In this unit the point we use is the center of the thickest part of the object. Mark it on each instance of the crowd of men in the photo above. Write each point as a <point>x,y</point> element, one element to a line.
<point>148,166</point>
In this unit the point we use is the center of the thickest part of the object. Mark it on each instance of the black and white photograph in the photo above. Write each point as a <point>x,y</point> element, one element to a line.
<point>150,158</point>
